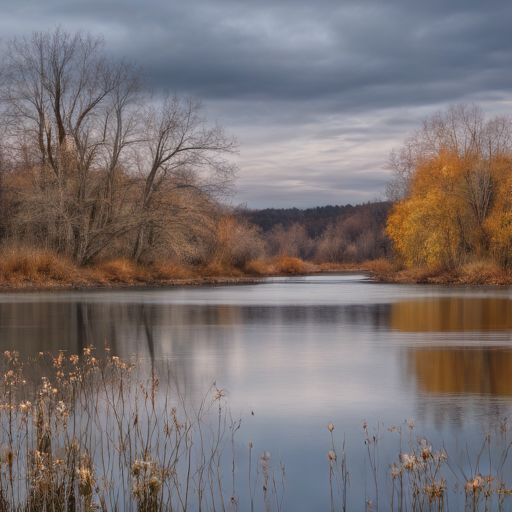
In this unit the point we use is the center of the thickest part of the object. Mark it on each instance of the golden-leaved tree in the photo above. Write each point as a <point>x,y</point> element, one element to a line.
<point>452,183</point>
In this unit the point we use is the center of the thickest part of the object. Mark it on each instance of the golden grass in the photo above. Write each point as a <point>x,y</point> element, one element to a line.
<point>25,267</point>
<point>474,273</point>
<point>170,270</point>
<point>218,269</point>
<point>290,265</point>
<point>258,268</point>
<point>380,266</point>
<point>484,272</point>
<point>23,264</point>
<point>120,270</point>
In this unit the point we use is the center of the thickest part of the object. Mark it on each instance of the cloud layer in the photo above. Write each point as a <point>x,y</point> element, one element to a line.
<point>317,93</point>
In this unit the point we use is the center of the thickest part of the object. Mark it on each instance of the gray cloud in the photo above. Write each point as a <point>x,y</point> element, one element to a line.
<point>318,93</point>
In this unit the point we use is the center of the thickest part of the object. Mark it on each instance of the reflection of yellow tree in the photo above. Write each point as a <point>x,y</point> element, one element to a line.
<point>458,200</point>
<point>475,371</point>
<point>452,315</point>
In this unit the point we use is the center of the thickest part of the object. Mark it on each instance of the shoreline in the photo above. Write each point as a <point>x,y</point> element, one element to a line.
<point>478,276</point>
<point>128,284</point>
<point>83,285</point>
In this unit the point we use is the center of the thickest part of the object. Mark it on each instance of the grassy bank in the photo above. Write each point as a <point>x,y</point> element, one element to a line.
<point>27,268</point>
<point>477,273</point>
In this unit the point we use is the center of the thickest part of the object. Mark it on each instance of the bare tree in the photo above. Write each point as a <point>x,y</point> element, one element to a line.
<point>105,160</point>
<point>181,155</point>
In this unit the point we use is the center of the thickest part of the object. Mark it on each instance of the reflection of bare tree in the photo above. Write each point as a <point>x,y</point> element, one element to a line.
<point>147,323</point>
<point>82,327</point>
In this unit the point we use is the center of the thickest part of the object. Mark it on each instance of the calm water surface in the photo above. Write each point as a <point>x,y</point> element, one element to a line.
<point>300,352</point>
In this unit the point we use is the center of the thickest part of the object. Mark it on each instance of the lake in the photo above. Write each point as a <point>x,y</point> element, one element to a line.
<point>294,354</point>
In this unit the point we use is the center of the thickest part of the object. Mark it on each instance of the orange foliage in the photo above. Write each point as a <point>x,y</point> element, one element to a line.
<point>459,208</point>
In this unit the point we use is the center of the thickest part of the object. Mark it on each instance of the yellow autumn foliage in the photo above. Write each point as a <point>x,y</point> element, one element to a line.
<point>458,207</point>
<point>426,227</point>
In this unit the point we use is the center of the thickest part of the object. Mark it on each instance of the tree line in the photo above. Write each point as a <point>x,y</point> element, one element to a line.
<point>327,234</point>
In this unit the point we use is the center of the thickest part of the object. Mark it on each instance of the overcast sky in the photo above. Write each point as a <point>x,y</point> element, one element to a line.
<point>317,92</point>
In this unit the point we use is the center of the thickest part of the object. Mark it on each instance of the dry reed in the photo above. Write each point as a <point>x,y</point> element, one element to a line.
<point>107,435</point>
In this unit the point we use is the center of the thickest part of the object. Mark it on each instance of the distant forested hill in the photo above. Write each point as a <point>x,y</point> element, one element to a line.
<point>316,220</point>
<point>331,234</point>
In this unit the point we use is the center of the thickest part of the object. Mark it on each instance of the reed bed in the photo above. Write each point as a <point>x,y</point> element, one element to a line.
<point>84,433</point>
<point>470,476</point>
<point>105,435</point>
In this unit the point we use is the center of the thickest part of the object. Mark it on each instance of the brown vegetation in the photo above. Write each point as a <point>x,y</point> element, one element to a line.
<point>94,167</point>
<point>95,432</point>
<point>90,433</point>
<point>475,273</point>
<point>21,265</point>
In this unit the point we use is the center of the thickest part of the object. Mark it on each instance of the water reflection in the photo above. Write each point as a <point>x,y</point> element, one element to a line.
<point>299,353</point>
<point>481,371</point>
<point>32,327</point>
<point>452,314</point>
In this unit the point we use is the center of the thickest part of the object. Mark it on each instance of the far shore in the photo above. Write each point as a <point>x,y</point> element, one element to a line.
<point>124,274</point>
<point>87,281</point>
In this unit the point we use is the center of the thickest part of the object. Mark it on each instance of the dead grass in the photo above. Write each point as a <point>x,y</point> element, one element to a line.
<point>170,270</point>
<point>291,266</point>
<point>474,273</point>
<point>120,270</point>
<point>20,265</point>
<point>484,272</point>
<point>258,268</point>
<point>218,270</point>
<point>380,266</point>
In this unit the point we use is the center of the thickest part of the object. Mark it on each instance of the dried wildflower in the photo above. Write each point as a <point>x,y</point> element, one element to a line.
<point>331,455</point>
<point>330,426</point>
<point>436,490</point>
<point>475,484</point>
<point>25,405</point>
<point>86,481</point>
<point>409,462</point>
<point>265,456</point>
<point>425,450</point>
